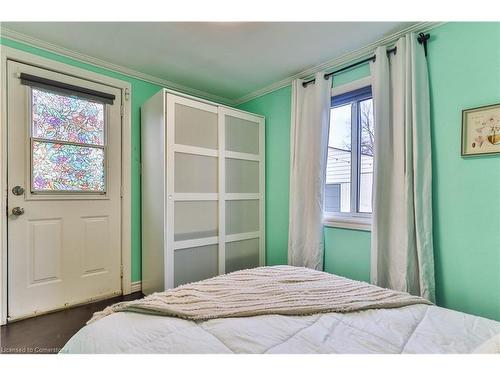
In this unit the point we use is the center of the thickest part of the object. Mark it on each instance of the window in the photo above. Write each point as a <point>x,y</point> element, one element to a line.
<point>67,143</point>
<point>349,170</point>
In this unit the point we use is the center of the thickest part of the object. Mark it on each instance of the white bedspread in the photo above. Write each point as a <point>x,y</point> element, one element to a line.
<point>411,329</point>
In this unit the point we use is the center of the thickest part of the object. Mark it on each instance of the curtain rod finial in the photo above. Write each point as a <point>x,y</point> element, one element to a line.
<point>422,39</point>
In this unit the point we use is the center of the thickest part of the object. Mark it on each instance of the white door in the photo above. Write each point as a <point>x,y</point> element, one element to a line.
<point>242,204</point>
<point>64,173</point>
<point>193,253</point>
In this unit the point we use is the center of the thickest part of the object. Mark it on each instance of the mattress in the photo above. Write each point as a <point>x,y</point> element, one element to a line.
<point>411,329</point>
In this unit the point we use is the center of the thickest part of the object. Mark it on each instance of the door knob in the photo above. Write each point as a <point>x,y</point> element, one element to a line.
<point>17,211</point>
<point>18,190</point>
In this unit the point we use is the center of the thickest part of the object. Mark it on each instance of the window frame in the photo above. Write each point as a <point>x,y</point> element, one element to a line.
<point>342,95</point>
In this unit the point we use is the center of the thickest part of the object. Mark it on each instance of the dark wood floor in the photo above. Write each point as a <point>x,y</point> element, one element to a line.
<point>48,333</point>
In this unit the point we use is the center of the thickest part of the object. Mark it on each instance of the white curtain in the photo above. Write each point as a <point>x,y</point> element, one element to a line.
<point>402,248</point>
<point>308,153</point>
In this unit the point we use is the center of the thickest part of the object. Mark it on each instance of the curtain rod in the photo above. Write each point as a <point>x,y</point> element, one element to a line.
<point>422,39</point>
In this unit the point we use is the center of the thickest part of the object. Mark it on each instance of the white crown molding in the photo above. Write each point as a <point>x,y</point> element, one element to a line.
<point>339,61</point>
<point>328,65</point>
<point>34,42</point>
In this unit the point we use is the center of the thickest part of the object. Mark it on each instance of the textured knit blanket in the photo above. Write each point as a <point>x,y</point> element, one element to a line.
<point>281,290</point>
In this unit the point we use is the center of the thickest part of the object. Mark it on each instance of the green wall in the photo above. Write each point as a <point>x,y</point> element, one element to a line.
<point>141,91</point>
<point>359,72</point>
<point>464,69</point>
<point>347,253</point>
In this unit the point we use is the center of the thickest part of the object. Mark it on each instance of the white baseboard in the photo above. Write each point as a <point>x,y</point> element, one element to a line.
<point>136,286</point>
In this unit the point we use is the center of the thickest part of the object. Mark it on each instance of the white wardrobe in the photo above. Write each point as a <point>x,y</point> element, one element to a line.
<point>203,181</point>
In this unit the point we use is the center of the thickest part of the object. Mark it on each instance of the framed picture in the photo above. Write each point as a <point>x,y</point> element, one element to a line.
<point>481,130</point>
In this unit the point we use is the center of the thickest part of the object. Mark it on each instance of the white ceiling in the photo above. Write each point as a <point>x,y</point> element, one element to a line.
<point>225,59</point>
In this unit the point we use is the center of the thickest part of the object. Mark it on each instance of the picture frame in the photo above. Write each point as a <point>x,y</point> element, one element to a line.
<point>481,130</point>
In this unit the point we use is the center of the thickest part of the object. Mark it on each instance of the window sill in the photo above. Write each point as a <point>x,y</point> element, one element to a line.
<point>348,222</point>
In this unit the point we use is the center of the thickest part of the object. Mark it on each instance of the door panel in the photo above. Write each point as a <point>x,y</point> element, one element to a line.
<point>242,216</point>
<point>65,247</point>
<point>242,135</point>
<point>96,245</point>
<point>195,219</point>
<point>45,250</point>
<point>243,207</point>
<point>195,173</point>
<point>241,255</point>
<point>195,264</point>
<point>242,176</point>
<point>195,127</point>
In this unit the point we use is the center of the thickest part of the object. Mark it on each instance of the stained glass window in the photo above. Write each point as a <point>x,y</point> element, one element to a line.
<point>67,167</point>
<point>67,138</point>
<point>67,118</point>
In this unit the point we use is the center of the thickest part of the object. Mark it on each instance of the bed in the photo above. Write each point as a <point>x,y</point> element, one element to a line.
<point>303,316</point>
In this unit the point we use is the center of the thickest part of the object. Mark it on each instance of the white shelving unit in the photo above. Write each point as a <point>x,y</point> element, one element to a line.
<point>203,189</point>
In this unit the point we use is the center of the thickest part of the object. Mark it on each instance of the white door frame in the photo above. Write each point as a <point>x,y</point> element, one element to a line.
<point>8,53</point>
